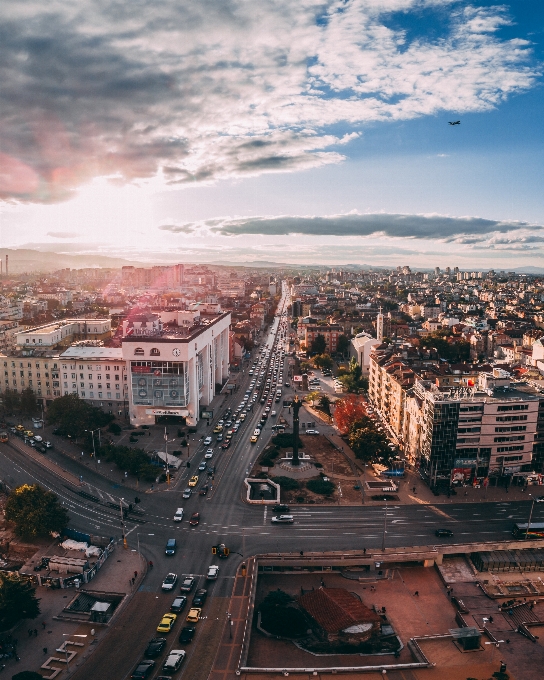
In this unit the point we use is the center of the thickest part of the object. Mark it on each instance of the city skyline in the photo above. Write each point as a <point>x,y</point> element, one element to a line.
<point>307,134</point>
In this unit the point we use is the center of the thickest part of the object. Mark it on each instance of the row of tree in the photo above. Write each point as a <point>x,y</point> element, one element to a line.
<point>23,404</point>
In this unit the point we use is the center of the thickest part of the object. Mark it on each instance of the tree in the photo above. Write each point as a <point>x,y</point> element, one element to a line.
<point>17,600</point>
<point>312,396</point>
<point>343,343</point>
<point>325,404</point>
<point>353,380</point>
<point>347,411</point>
<point>27,675</point>
<point>319,344</point>
<point>11,400</point>
<point>28,405</point>
<point>286,483</point>
<point>367,442</point>
<point>323,361</point>
<point>320,486</point>
<point>74,416</point>
<point>35,511</point>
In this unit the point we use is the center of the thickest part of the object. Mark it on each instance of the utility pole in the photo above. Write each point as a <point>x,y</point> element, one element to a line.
<point>125,545</point>
<point>530,518</point>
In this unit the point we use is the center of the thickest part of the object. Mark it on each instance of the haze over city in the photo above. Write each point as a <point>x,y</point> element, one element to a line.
<point>302,132</point>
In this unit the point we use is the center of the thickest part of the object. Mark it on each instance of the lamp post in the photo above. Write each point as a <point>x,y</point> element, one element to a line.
<point>94,450</point>
<point>530,518</point>
<point>66,651</point>
<point>166,440</point>
<point>138,537</point>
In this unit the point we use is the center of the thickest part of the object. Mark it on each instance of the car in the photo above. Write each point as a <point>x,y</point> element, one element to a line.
<point>174,660</point>
<point>202,466</point>
<point>155,647</point>
<point>443,533</point>
<point>193,481</point>
<point>273,413</point>
<point>187,634</point>
<point>539,499</point>
<point>253,439</point>
<point>204,490</point>
<point>226,445</point>
<point>37,438</point>
<point>195,519</point>
<point>312,431</point>
<point>213,572</point>
<point>194,615</point>
<point>219,437</point>
<point>283,519</point>
<point>217,429</point>
<point>167,623</point>
<point>178,604</point>
<point>186,493</point>
<point>209,453</point>
<point>170,581</point>
<point>178,516</point>
<point>171,546</point>
<point>48,445</point>
<point>281,508</point>
<point>207,441</point>
<point>187,584</point>
<point>143,670</point>
<point>200,597</point>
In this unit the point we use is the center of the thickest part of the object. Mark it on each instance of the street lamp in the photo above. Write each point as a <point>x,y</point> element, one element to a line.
<point>94,450</point>
<point>125,545</point>
<point>530,517</point>
<point>138,537</point>
<point>66,651</point>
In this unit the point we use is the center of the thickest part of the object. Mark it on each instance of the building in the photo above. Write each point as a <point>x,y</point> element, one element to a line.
<point>360,348</point>
<point>63,333</point>
<point>173,370</point>
<point>330,332</point>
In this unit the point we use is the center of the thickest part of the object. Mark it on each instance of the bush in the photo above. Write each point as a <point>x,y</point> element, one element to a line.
<point>286,483</point>
<point>114,428</point>
<point>285,440</point>
<point>321,487</point>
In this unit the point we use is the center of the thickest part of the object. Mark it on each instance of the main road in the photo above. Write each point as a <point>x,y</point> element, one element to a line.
<point>246,530</point>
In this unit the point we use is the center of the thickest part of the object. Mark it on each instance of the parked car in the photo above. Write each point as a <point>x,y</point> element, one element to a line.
<point>187,584</point>
<point>170,581</point>
<point>155,647</point>
<point>312,431</point>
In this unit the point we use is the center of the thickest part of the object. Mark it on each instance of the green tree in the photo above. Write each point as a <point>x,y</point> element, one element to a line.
<point>323,361</point>
<point>286,483</point>
<point>325,404</point>
<point>342,346</point>
<point>74,416</point>
<point>368,443</point>
<point>28,405</point>
<point>312,396</point>
<point>17,600</point>
<point>35,511</point>
<point>11,401</point>
<point>320,486</point>
<point>319,344</point>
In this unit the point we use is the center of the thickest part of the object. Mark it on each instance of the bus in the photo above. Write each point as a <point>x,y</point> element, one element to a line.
<point>3,437</point>
<point>536,530</point>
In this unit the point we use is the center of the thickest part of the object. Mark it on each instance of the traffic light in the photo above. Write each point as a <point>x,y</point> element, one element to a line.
<point>214,550</point>
<point>226,552</point>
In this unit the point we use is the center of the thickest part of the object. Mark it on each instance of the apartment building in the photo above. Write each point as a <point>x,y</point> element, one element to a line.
<point>330,332</point>
<point>63,333</point>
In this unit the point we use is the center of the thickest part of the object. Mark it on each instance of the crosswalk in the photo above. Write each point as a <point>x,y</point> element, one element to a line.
<point>104,496</point>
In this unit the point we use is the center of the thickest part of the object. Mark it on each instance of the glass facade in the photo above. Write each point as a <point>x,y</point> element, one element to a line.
<point>159,383</point>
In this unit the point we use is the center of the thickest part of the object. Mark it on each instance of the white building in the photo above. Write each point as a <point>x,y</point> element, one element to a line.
<point>360,348</point>
<point>174,371</point>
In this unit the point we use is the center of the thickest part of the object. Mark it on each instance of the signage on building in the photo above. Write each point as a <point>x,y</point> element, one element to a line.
<point>206,414</point>
<point>167,412</point>
<point>464,462</point>
<point>297,378</point>
<point>461,474</point>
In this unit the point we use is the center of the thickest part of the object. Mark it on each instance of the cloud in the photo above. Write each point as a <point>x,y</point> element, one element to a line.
<point>355,224</point>
<point>196,91</point>
<point>178,228</point>
<point>63,234</point>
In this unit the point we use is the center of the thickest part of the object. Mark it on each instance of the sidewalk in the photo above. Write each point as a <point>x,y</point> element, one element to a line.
<point>115,576</point>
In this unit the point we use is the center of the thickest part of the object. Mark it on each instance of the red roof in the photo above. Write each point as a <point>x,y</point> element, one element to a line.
<point>336,609</point>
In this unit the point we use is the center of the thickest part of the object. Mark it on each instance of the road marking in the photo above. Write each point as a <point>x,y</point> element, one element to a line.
<point>265,512</point>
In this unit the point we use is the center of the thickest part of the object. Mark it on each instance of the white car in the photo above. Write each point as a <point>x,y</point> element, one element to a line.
<point>209,453</point>
<point>169,581</point>
<point>213,572</point>
<point>37,438</point>
<point>207,441</point>
<point>312,431</point>
<point>174,660</point>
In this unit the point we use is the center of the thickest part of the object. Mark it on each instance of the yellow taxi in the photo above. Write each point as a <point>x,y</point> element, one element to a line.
<point>217,429</point>
<point>194,614</point>
<point>29,433</point>
<point>193,481</point>
<point>254,439</point>
<point>20,428</point>
<point>167,623</point>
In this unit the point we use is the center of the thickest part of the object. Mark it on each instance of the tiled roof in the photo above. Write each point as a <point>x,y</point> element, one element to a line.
<point>335,609</point>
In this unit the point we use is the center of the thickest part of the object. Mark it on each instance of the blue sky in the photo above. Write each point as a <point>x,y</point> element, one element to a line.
<point>222,131</point>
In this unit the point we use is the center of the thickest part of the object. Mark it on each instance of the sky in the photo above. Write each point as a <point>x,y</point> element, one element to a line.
<point>279,131</point>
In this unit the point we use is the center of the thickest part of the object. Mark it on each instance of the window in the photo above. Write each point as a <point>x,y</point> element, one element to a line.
<point>82,384</point>
<point>65,375</point>
<point>138,351</point>
<point>91,386</point>
<point>108,386</point>
<point>90,376</point>
<point>100,395</point>
<point>154,352</point>
<point>512,428</point>
<point>501,449</point>
<point>118,396</point>
<point>514,438</point>
<point>506,419</point>
<point>83,394</point>
<point>73,376</point>
<point>108,376</point>
<point>513,407</point>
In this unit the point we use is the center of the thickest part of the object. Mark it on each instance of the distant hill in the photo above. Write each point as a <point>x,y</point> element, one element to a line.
<point>26,260</point>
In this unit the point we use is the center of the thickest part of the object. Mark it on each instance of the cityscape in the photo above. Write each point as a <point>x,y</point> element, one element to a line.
<point>271,340</point>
